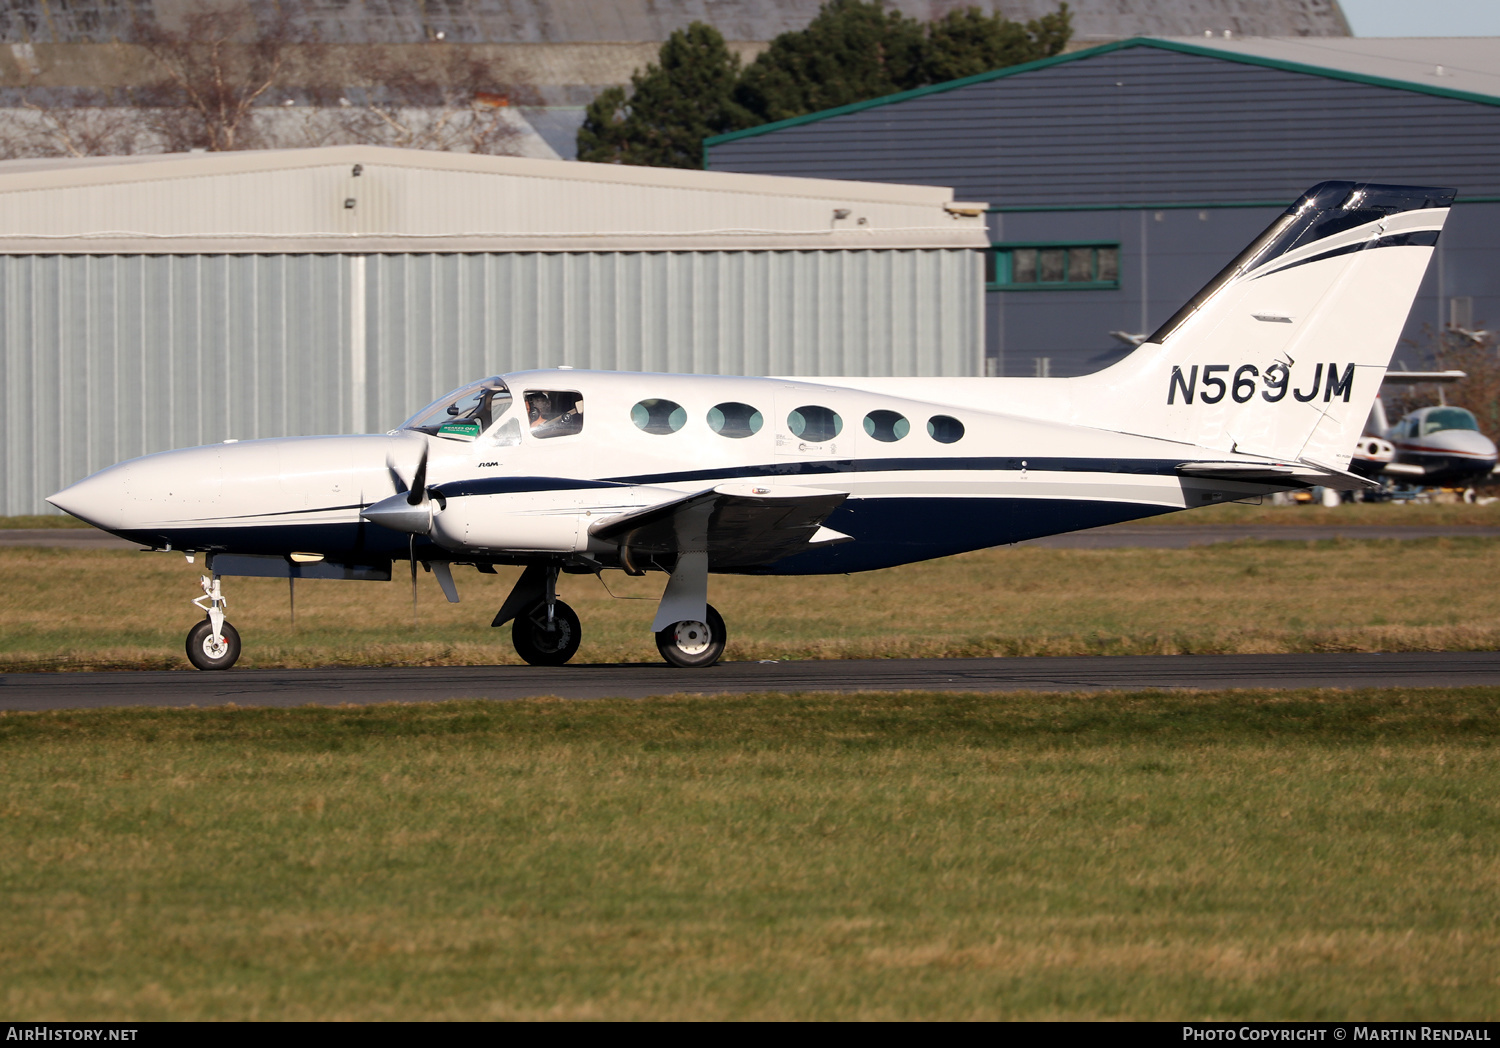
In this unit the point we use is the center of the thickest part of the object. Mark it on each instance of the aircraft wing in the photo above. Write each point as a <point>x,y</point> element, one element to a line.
<point>1302,471</point>
<point>740,525</point>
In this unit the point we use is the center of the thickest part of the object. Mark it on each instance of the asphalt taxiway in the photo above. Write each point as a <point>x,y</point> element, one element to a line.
<point>337,686</point>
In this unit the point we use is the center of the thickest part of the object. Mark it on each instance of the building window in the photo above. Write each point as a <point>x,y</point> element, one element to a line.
<point>1052,267</point>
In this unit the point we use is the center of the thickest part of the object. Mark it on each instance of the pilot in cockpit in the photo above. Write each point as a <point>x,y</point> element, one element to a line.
<point>554,414</point>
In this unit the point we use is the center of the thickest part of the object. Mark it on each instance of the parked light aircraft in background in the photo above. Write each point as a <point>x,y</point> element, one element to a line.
<point>1260,383</point>
<point>1436,447</point>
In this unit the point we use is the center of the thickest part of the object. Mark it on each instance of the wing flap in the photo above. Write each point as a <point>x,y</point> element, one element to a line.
<point>746,525</point>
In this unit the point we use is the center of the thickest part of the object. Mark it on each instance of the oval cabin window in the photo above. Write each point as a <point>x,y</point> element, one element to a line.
<point>945,430</point>
<point>735,420</point>
<point>814,423</point>
<point>887,426</point>
<point>659,416</point>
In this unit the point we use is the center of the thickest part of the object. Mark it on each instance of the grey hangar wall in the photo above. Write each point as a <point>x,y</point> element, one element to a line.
<point>156,303</point>
<point>107,357</point>
<point>1173,155</point>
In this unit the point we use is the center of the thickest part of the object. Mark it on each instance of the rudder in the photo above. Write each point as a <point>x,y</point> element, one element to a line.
<point>1283,352</point>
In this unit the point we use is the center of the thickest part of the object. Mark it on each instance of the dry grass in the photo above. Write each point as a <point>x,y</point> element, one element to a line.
<point>1311,855</point>
<point>1349,515</point>
<point>94,610</point>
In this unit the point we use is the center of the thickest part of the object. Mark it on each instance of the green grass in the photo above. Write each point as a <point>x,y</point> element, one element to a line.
<point>1306,855</point>
<point>103,609</point>
<point>41,520</point>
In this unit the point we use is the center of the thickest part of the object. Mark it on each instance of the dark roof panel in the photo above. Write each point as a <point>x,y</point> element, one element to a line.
<point>1142,124</point>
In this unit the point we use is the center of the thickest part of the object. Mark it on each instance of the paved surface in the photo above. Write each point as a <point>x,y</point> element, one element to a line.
<point>1116,536</point>
<point>53,691</point>
<point>1181,536</point>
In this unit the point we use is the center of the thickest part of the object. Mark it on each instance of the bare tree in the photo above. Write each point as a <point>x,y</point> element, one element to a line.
<point>426,96</point>
<point>37,128</point>
<point>226,80</point>
<point>213,72</point>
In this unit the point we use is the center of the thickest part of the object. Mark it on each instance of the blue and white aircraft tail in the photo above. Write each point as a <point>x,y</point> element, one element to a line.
<point>1280,356</point>
<point>1260,383</point>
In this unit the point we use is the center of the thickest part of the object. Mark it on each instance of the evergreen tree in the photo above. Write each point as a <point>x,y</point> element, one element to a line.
<point>672,106</point>
<point>852,50</point>
<point>967,42</point>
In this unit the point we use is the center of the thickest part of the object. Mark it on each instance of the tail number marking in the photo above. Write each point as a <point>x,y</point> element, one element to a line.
<point>1247,379</point>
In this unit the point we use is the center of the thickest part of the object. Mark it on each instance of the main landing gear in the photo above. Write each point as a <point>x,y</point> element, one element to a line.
<point>212,644</point>
<point>691,643</point>
<point>546,632</point>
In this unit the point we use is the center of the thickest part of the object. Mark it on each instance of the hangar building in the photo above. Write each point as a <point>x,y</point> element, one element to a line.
<point>564,51</point>
<point>1121,178</point>
<point>165,301</point>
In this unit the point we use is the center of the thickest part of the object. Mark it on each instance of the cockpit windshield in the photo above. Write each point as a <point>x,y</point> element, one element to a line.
<point>472,409</point>
<point>1448,418</point>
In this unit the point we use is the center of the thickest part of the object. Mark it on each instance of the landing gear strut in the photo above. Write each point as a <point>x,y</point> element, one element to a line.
<point>212,644</point>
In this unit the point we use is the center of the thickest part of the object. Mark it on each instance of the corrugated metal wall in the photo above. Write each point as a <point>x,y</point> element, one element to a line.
<point>107,357</point>
<point>1142,125</point>
<point>1191,137</point>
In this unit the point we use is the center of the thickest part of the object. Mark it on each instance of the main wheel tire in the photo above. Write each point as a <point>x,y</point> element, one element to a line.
<point>546,644</point>
<point>693,644</point>
<point>203,653</point>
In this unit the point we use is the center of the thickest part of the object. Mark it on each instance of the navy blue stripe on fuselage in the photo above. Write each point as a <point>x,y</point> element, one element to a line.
<point>515,485</point>
<point>1417,238</point>
<point>1137,467</point>
<point>890,532</point>
<point>886,532</point>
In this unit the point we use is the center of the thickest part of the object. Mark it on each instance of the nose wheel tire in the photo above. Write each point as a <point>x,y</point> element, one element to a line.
<point>204,653</point>
<point>544,643</point>
<point>693,644</point>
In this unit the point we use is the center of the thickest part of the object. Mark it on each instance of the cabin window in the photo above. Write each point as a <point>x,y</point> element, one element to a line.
<point>944,429</point>
<point>1052,267</point>
<point>1448,418</point>
<point>814,423</point>
<point>554,412</point>
<point>505,435</point>
<point>733,419</point>
<point>887,426</point>
<point>464,413</point>
<point>659,416</point>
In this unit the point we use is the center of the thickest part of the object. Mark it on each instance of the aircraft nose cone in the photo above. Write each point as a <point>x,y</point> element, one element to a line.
<point>98,499</point>
<point>1464,442</point>
<point>399,515</point>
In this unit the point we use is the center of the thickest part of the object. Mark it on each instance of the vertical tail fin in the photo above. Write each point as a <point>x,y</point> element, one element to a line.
<point>1283,353</point>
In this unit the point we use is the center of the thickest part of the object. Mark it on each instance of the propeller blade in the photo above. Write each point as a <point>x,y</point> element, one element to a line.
<point>411,548</point>
<point>398,482</point>
<point>418,493</point>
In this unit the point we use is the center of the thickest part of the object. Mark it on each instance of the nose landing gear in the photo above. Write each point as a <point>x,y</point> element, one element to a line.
<point>546,634</point>
<point>212,644</point>
<point>545,631</point>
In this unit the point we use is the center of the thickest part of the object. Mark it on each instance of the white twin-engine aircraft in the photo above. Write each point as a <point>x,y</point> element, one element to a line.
<point>1260,383</point>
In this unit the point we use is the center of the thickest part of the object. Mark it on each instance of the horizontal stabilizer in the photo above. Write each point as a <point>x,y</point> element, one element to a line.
<point>1301,472</point>
<point>1411,378</point>
<point>1405,469</point>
